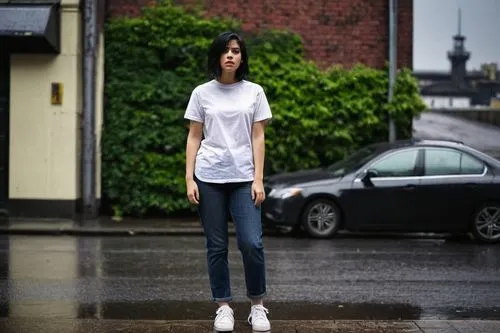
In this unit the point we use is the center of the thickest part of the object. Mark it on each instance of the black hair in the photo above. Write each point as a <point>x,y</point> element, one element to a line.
<point>218,47</point>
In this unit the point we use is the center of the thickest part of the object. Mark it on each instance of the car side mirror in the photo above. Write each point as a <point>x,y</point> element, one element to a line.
<point>369,174</point>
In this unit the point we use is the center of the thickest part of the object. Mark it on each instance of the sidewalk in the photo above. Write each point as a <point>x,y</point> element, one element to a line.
<point>44,325</point>
<point>103,226</point>
<point>153,227</point>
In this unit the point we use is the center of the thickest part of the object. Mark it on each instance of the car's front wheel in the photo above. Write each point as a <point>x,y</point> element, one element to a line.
<point>485,225</point>
<point>321,218</point>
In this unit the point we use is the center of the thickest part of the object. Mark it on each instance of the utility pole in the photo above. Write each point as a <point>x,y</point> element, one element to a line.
<point>88,130</point>
<point>393,59</point>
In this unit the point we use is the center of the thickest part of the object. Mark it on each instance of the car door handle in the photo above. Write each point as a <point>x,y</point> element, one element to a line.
<point>471,185</point>
<point>409,187</point>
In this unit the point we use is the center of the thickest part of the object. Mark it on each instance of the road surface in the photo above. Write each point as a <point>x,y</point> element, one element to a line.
<point>308,279</point>
<point>481,136</point>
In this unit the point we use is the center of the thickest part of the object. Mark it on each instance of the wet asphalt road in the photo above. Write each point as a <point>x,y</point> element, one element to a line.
<point>484,137</point>
<point>165,278</point>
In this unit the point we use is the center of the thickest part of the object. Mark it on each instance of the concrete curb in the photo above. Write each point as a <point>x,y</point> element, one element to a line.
<point>19,226</point>
<point>104,232</point>
<point>164,228</point>
<point>132,232</point>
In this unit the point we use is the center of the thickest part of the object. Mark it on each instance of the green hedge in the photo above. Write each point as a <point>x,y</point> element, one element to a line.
<point>154,61</point>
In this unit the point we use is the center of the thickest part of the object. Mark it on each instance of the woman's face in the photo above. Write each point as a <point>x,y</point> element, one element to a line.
<point>230,60</point>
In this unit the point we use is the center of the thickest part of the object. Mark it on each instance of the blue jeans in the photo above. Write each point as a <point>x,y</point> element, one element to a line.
<point>217,201</point>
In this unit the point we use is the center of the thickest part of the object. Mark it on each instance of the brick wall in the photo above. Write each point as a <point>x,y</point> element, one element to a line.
<point>333,31</point>
<point>126,7</point>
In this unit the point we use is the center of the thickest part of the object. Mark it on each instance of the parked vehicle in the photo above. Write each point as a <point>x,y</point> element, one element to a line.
<point>407,186</point>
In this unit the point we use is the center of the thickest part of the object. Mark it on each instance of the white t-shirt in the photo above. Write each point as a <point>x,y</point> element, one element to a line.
<point>227,112</point>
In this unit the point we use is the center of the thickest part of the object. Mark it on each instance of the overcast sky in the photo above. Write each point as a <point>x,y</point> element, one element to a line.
<point>436,21</point>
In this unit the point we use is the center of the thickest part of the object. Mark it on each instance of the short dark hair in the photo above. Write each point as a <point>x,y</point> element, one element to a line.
<point>218,47</point>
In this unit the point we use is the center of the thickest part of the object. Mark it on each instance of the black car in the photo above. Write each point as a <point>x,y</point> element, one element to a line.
<point>407,186</point>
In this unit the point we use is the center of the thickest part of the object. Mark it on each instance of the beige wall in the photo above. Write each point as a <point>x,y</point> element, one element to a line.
<point>45,139</point>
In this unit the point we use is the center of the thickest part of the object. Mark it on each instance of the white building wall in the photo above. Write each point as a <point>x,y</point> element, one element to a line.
<point>446,102</point>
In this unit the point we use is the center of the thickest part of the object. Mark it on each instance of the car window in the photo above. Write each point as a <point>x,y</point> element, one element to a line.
<point>440,162</point>
<point>401,164</point>
<point>354,161</point>
<point>471,166</point>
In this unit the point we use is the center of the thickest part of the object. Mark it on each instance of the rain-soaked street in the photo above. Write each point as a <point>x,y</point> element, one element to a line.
<point>433,125</point>
<point>61,278</point>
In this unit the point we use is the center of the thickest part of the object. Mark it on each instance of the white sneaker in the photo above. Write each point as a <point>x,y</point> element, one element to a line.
<point>258,318</point>
<point>224,321</point>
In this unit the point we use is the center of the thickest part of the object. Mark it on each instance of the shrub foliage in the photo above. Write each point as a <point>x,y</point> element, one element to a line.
<point>154,61</point>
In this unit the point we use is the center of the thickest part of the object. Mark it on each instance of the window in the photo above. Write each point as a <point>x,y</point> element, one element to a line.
<point>401,164</point>
<point>470,166</point>
<point>354,161</point>
<point>441,162</point>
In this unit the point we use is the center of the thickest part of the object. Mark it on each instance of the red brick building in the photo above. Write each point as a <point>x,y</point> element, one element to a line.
<point>333,31</point>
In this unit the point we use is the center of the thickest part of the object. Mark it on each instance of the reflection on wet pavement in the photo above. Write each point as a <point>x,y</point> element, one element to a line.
<point>196,310</point>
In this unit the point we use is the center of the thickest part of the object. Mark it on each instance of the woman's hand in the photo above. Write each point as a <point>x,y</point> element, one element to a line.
<point>192,192</point>
<point>258,194</point>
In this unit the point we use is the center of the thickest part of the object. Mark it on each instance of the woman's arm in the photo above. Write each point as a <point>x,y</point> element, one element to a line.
<point>259,150</point>
<point>192,146</point>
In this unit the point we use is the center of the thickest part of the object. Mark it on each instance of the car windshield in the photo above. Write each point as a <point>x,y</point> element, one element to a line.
<point>355,160</point>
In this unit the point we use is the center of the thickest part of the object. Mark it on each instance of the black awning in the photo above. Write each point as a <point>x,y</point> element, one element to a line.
<point>30,27</point>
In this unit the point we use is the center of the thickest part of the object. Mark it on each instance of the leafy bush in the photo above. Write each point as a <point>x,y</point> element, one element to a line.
<point>154,61</point>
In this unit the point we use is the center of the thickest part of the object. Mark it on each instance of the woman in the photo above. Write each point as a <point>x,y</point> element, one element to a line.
<point>224,173</point>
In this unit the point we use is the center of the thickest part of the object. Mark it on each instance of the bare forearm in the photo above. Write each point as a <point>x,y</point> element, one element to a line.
<point>258,146</point>
<point>192,146</point>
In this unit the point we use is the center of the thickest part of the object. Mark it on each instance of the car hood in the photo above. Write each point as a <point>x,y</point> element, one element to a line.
<point>298,177</point>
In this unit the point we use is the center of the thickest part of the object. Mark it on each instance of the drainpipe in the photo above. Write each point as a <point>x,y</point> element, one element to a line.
<point>392,61</point>
<point>88,130</point>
